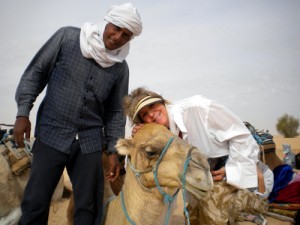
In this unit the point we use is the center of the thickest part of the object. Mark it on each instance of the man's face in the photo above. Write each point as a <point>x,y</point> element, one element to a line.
<point>155,113</point>
<point>115,37</point>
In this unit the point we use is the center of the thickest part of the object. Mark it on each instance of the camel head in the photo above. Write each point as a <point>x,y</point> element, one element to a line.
<point>175,162</point>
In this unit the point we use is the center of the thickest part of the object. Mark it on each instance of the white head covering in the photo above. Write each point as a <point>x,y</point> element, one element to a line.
<point>91,36</point>
<point>125,16</point>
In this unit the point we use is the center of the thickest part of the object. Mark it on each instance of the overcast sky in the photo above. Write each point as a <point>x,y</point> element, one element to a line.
<point>243,53</point>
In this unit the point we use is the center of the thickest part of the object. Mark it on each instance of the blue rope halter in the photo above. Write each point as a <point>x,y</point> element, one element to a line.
<point>167,198</point>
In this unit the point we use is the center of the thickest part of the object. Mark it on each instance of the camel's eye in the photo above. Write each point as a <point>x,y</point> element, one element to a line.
<point>150,154</point>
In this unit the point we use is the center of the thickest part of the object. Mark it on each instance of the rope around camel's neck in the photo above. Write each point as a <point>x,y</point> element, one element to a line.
<point>142,206</point>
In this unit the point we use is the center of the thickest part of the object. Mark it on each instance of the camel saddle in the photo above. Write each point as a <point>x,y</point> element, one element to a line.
<point>19,159</point>
<point>267,146</point>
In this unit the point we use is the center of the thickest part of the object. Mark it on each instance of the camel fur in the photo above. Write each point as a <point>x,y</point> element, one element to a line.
<point>145,205</point>
<point>11,191</point>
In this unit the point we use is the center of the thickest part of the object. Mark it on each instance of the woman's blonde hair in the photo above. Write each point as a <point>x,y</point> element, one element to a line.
<point>131,101</point>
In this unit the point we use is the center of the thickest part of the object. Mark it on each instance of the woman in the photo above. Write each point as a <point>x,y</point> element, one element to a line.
<point>231,150</point>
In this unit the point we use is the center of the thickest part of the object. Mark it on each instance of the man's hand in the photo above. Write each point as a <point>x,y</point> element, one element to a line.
<point>218,175</point>
<point>22,126</point>
<point>114,167</point>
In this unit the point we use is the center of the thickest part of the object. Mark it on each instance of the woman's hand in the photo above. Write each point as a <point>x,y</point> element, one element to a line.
<point>136,128</point>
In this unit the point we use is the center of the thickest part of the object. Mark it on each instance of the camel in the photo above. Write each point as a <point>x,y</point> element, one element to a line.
<point>12,187</point>
<point>158,165</point>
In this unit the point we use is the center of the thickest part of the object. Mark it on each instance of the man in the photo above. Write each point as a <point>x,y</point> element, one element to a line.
<point>86,77</point>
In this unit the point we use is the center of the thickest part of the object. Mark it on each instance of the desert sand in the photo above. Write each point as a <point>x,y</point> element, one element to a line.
<point>58,209</point>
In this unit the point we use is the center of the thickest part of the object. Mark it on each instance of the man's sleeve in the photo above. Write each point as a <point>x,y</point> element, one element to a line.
<point>115,119</point>
<point>36,75</point>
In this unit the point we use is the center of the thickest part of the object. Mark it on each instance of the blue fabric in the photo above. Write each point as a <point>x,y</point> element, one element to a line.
<point>283,174</point>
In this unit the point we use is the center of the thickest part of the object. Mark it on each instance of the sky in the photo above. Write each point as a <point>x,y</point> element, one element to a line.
<point>243,53</point>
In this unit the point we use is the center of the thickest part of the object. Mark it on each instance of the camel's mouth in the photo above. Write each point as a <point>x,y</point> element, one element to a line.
<point>198,179</point>
<point>199,183</point>
<point>198,193</point>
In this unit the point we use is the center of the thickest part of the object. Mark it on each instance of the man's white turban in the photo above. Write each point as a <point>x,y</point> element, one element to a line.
<point>125,16</point>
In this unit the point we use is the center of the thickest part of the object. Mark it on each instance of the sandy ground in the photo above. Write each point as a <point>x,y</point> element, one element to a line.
<point>58,209</point>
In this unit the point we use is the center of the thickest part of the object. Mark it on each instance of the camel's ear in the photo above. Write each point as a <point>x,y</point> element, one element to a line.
<point>124,146</point>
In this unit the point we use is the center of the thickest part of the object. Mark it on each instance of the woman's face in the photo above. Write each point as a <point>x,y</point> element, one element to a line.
<point>155,113</point>
<point>115,37</point>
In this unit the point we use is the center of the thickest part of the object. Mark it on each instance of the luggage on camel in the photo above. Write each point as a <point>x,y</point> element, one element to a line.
<point>262,137</point>
<point>267,146</point>
<point>289,156</point>
<point>284,198</point>
<point>19,159</point>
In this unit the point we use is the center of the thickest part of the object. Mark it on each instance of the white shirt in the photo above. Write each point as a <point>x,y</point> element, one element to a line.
<point>217,131</point>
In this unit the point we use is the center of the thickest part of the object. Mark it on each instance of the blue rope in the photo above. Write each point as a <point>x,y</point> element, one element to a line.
<point>258,139</point>
<point>125,211</point>
<point>171,200</point>
<point>167,198</point>
<point>105,207</point>
<point>186,164</point>
<point>27,146</point>
<point>138,173</point>
<point>3,138</point>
